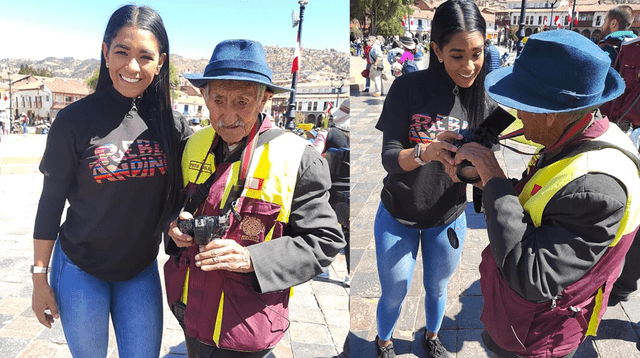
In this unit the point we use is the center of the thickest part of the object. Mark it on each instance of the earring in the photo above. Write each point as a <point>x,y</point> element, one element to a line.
<point>440,60</point>
<point>107,65</point>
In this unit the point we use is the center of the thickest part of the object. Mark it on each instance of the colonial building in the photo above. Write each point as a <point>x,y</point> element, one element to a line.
<point>312,101</point>
<point>43,97</point>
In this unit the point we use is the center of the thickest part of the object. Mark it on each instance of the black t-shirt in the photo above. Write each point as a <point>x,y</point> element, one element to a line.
<point>105,158</point>
<point>421,103</point>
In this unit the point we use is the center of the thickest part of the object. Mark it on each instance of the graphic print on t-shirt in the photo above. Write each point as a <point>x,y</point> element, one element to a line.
<point>423,129</point>
<point>141,159</point>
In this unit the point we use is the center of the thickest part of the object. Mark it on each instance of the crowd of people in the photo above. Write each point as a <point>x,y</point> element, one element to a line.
<point>247,210</point>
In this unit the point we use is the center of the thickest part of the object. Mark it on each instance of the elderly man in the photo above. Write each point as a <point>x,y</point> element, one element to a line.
<point>557,236</point>
<point>263,220</point>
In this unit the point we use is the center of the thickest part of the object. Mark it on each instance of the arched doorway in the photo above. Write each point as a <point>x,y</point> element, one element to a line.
<point>528,31</point>
<point>597,34</point>
<point>586,33</point>
<point>311,119</point>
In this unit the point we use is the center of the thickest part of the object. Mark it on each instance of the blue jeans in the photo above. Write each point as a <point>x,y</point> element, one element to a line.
<point>396,251</point>
<point>85,302</point>
<point>368,80</point>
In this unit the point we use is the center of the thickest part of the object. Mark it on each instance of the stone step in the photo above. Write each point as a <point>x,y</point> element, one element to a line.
<point>20,160</point>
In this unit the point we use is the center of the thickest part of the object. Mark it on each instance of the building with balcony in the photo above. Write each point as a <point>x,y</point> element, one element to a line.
<point>43,97</point>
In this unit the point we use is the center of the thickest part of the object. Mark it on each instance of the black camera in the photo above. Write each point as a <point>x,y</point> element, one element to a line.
<point>487,135</point>
<point>205,228</point>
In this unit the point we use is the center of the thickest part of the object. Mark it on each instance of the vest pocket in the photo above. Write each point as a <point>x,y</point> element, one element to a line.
<point>506,316</point>
<point>258,217</point>
<point>250,321</point>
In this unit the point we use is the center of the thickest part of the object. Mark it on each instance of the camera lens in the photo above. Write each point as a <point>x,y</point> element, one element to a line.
<point>467,173</point>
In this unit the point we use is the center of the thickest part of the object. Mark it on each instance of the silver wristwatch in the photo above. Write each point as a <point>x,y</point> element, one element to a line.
<point>416,154</point>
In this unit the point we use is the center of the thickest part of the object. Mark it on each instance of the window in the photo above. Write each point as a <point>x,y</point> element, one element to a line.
<point>47,98</point>
<point>186,109</point>
<point>199,109</point>
<point>315,106</point>
<point>598,18</point>
<point>68,99</point>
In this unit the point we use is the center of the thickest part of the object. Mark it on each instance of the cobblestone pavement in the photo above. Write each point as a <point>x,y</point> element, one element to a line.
<point>618,333</point>
<point>318,309</point>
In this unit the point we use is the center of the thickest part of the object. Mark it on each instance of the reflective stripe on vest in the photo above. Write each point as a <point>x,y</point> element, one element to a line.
<point>547,181</point>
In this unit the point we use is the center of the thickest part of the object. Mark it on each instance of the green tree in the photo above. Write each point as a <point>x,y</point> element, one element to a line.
<point>28,70</point>
<point>173,80</point>
<point>92,81</point>
<point>384,16</point>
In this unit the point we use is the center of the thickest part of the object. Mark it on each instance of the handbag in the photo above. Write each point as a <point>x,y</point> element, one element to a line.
<point>365,73</point>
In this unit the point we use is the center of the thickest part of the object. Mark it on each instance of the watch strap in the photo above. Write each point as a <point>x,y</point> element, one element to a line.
<point>39,269</point>
<point>416,154</point>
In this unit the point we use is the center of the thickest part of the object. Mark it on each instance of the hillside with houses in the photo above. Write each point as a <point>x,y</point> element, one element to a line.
<point>41,98</point>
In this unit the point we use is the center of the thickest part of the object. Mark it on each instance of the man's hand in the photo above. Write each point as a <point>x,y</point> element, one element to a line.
<point>224,254</point>
<point>482,159</point>
<point>43,299</point>
<point>181,239</point>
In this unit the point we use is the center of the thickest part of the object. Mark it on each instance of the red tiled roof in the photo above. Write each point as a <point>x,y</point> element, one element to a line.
<point>67,86</point>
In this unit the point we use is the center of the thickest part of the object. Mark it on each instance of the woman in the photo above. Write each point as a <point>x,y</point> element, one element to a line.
<point>420,204</point>
<point>114,156</point>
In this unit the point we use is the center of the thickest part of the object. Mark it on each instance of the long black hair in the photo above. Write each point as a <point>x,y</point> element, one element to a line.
<point>156,99</point>
<point>451,18</point>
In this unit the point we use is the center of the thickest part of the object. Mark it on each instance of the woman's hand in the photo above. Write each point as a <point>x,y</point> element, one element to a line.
<point>43,299</point>
<point>181,239</point>
<point>224,254</point>
<point>442,148</point>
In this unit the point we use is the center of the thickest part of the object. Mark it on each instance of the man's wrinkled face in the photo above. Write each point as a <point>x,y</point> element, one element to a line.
<point>234,107</point>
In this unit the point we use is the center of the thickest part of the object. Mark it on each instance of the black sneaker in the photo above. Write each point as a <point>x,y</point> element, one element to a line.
<point>435,348</point>
<point>385,352</point>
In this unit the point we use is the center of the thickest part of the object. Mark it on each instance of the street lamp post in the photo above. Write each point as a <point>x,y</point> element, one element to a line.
<point>552,5</point>
<point>10,104</point>
<point>521,26</point>
<point>338,86</point>
<point>573,14</point>
<point>291,111</point>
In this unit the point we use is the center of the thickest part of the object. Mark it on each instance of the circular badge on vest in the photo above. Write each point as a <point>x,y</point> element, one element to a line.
<point>251,227</point>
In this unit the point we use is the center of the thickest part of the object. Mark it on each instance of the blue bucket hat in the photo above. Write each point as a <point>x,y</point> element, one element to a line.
<point>557,71</point>
<point>237,60</point>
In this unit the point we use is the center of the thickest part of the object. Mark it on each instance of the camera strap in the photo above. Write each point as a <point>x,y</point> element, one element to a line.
<point>199,195</point>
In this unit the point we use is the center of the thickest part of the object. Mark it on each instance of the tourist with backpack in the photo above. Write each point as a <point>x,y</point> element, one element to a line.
<point>623,48</point>
<point>615,29</point>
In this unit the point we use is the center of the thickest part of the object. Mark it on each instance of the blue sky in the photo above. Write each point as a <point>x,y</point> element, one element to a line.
<point>37,29</point>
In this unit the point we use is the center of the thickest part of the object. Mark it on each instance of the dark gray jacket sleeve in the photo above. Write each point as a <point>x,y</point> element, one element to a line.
<point>578,224</point>
<point>312,237</point>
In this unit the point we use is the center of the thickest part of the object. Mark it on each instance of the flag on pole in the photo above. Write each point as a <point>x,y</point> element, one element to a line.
<point>404,20</point>
<point>557,21</point>
<point>575,18</point>
<point>545,21</point>
<point>569,16</point>
<point>296,57</point>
